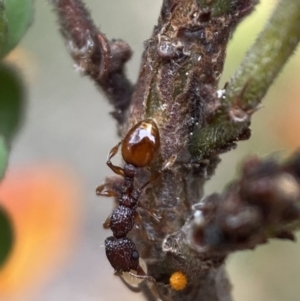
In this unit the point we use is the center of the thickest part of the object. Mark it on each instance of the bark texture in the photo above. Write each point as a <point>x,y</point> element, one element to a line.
<point>178,88</point>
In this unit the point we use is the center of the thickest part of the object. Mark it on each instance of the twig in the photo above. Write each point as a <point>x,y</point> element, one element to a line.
<point>178,88</point>
<point>243,94</point>
<point>94,54</point>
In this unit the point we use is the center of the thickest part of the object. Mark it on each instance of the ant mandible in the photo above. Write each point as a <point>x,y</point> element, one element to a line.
<point>138,150</point>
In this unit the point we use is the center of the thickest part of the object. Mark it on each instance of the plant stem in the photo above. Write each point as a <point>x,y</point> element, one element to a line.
<point>251,81</point>
<point>267,56</point>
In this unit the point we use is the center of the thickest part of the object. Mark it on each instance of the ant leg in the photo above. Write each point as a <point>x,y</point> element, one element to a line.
<point>140,274</point>
<point>154,177</point>
<point>152,213</point>
<point>106,224</point>
<point>109,192</point>
<point>139,224</point>
<point>116,169</point>
<point>170,162</point>
<point>151,282</point>
<point>140,228</point>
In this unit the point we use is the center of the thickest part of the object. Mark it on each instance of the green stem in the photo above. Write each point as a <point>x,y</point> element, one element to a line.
<point>221,7</point>
<point>251,81</point>
<point>267,56</point>
<point>217,7</point>
<point>3,156</point>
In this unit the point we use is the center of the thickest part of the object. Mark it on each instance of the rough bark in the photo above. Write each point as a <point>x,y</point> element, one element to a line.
<point>178,88</point>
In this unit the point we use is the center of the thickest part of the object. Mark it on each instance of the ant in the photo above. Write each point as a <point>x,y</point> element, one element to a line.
<point>138,150</point>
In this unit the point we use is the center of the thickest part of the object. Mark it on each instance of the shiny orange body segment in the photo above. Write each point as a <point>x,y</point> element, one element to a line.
<point>141,143</point>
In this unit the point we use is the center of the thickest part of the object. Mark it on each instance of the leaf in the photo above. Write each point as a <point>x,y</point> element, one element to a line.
<point>12,97</point>
<point>3,27</point>
<point>15,18</point>
<point>3,156</point>
<point>6,236</point>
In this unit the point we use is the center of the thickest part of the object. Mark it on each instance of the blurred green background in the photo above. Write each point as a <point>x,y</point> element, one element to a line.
<point>67,123</point>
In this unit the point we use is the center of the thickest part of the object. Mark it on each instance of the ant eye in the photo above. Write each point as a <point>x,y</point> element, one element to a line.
<point>135,255</point>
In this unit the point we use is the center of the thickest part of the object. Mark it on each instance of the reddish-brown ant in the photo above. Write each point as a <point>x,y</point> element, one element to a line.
<point>138,149</point>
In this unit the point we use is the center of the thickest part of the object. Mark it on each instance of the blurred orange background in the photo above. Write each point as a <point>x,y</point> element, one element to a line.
<point>43,204</point>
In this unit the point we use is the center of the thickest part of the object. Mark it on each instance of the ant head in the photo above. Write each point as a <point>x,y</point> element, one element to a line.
<point>141,143</point>
<point>122,254</point>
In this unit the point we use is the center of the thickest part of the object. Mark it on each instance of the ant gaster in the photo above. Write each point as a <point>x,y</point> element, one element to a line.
<point>138,150</point>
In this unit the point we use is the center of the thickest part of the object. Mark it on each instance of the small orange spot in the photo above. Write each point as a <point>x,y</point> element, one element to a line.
<point>178,281</point>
